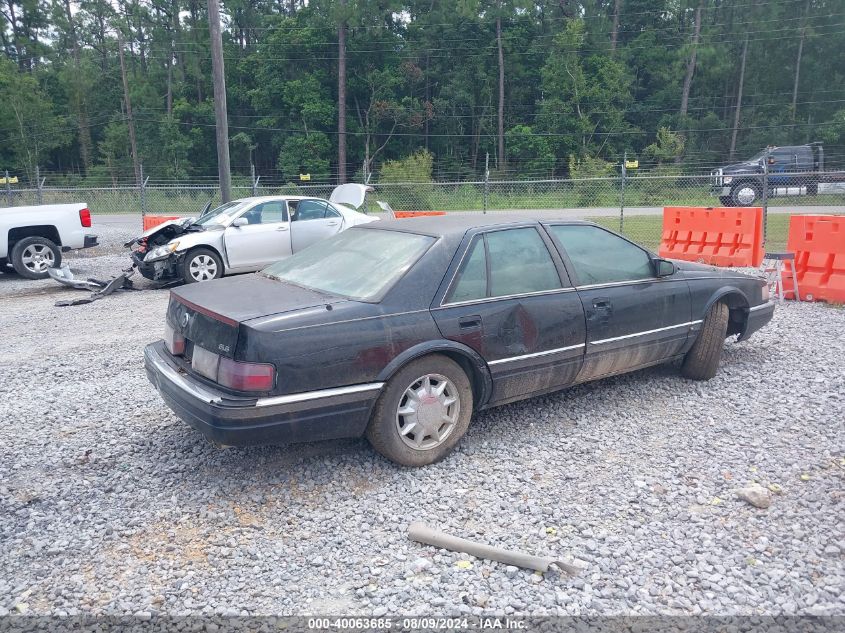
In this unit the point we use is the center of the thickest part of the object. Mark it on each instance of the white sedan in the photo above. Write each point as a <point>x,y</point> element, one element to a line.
<point>245,235</point>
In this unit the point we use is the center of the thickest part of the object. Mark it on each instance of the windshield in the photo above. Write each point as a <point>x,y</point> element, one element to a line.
<point>221,214</point>
<point>357,264</point>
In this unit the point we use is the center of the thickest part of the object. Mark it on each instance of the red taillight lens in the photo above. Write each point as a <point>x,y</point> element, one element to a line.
<point>174,341</point>
<point>245,376</point>
<point>85,218</point>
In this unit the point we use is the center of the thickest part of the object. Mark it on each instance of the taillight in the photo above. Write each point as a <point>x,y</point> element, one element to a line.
<point>85,218</point>
<point>245,376</point>
<point>174,341</point>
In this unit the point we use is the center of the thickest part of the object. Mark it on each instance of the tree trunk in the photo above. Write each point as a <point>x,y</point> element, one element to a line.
<point>739,96</point>
<point>501,148</point>
<point>133,146</point>
<point>798,60</point>
<point>341,97</point>
<point>691,64</point>
<point>614,34</point>
<point>84,130</point>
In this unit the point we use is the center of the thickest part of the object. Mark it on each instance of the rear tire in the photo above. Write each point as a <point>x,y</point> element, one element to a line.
<point>702,360</point>
<point>32,256</point>
<point>422,413</point>
<point>201,264</point>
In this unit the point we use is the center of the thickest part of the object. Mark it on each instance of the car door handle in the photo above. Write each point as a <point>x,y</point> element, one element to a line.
<point>282,228</point>
<point>332,224</point>
<point>602,304</point>
<point>469,322</point>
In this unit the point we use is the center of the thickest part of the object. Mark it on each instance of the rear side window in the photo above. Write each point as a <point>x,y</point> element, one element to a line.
<point>471,281</point>
<point>600,257</point>
<point>504,263</point>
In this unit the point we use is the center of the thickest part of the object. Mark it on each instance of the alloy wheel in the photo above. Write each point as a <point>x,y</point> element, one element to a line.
<point>37,258</point>
<point>428,411</point>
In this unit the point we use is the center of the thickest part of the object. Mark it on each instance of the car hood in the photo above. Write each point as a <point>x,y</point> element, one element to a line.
<point>350,194</point>
<point>697,269</point>
<point>744,167</point>
<point>246,297</point>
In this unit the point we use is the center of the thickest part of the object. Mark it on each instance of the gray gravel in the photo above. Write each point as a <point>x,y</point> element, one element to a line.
<point>110,505</point>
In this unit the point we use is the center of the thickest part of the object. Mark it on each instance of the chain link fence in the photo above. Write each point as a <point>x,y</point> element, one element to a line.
<point>631,204</point>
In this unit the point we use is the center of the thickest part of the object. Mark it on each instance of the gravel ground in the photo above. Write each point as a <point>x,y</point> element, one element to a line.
<point>110,505</point>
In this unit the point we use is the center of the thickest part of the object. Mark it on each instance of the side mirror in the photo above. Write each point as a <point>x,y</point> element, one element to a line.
<point>771,160</point>
<point>239,222</point>
<point>664,268</point>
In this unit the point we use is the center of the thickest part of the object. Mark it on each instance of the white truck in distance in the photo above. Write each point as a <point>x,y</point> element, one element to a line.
<point>32,239</point>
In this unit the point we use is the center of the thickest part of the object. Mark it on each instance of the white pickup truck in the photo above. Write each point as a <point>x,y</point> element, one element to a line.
<point>32,239</point>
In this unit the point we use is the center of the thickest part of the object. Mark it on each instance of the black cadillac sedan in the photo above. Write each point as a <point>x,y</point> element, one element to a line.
<point>400,330</point>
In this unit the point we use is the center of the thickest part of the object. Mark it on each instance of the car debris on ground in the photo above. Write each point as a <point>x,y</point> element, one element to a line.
<point>422,533</point>
<point>99,288</point>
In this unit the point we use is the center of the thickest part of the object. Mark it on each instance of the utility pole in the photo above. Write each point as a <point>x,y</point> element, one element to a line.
<point>341,97</point>
<point>220,110</point>
<point>133,145</point>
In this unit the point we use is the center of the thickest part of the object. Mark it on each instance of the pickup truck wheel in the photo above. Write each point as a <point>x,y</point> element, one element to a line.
<point>702,360</point>
<point>32,256</point>
<point>201,264</point>
<point>422,413</point>
<point>745,194</point>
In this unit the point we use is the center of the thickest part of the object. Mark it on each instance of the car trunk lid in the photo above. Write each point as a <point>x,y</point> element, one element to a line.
<point>210,314</point>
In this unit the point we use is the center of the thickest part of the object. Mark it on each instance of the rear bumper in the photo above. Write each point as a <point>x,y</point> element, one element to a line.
<point>758,316</point>
<point>222,418</point>
<point>88,241</point>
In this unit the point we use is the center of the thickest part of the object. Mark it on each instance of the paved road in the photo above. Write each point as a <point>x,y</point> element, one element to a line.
<point>130,220</point>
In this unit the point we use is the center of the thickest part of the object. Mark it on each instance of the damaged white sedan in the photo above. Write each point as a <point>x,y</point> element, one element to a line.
<point>245,235</point>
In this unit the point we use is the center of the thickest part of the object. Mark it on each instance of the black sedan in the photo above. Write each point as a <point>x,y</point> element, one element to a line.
<point>399,330</point>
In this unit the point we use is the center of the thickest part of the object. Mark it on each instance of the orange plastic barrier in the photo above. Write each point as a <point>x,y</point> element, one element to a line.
<point>722,236</point>
<point>818,242</point>
<point>416,214</point>
<point>154,220</point>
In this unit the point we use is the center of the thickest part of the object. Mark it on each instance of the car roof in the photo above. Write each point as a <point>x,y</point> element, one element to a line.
<point>460,223</point>
<point>271,198</point>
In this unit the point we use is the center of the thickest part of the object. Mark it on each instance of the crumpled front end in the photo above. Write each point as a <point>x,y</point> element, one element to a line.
<point>149,251</point>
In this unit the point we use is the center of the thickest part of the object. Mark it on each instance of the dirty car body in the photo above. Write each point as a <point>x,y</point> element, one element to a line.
<point>520,307</point>
<point>243,235</point>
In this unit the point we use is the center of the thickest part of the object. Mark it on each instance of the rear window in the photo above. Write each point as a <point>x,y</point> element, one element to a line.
<point>358,264</point>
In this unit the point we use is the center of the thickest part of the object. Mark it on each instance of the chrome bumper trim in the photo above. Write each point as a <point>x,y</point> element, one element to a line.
<point>762,306</point>
<point>317,395</point>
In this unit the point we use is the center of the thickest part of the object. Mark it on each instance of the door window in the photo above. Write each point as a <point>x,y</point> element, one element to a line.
<point>267,213</point>
<point>310,210</point>
<point>600,257</point>
<point>504,263</point>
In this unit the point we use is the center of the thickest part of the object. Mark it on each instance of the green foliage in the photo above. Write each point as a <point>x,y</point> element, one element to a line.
<point>304,155</point>
<point>668,146</point>
<point>421,74</point>
<point>414,168</point>
<point>531,152</point>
